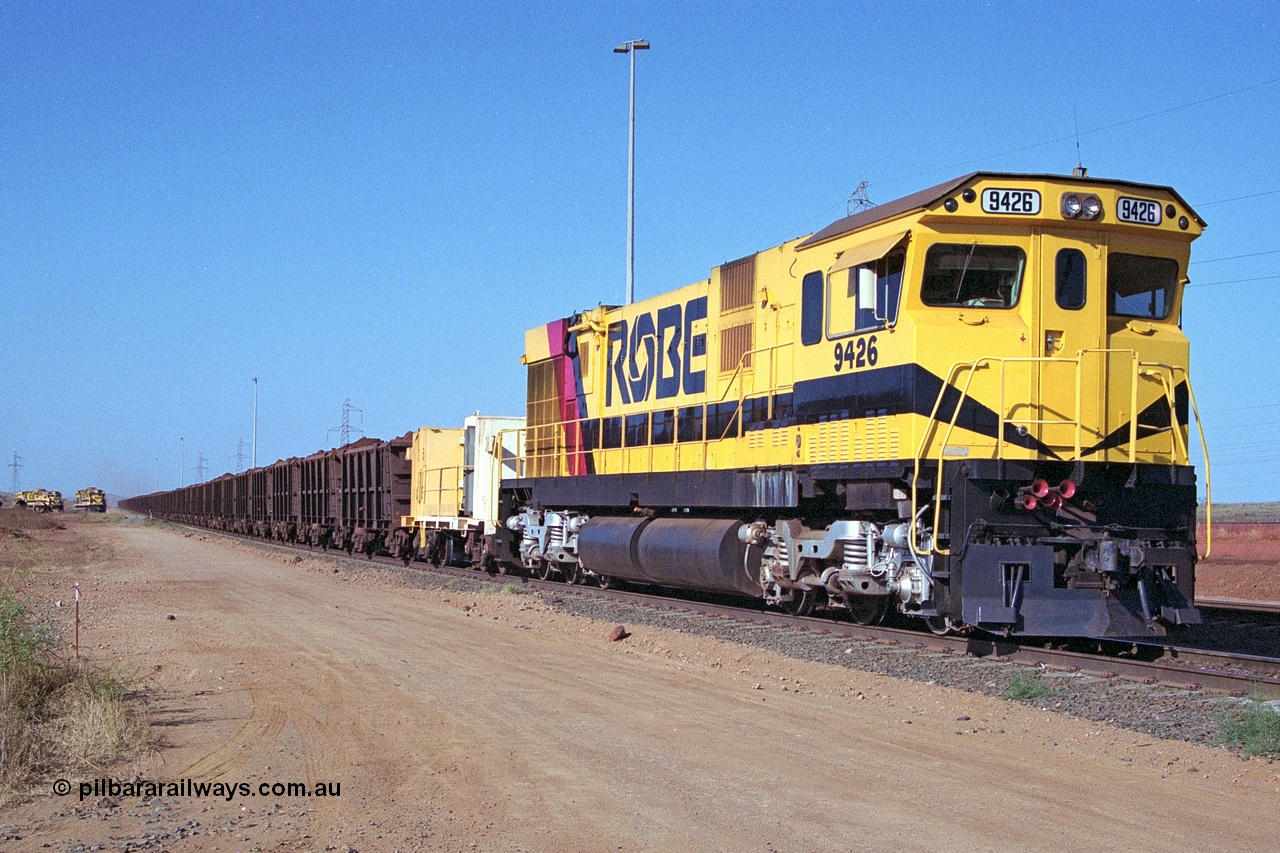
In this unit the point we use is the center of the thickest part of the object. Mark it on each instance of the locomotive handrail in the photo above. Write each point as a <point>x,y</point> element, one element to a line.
<point>1159,371</point>
<point>742,391</point>
<point>433,482</point>
<point>973,367</point>
<point>1204,446</point>
<point>1204,450</point>
<point>1004,420</point>
<point>742,360</point>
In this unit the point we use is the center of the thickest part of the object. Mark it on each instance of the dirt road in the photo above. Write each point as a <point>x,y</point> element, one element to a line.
<point>488,722</point>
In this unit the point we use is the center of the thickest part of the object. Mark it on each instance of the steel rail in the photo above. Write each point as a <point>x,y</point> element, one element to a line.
<point>1238,604</point>
<point>1177,667</point>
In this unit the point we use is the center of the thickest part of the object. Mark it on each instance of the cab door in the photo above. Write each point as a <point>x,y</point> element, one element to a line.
<point>1068,334</point>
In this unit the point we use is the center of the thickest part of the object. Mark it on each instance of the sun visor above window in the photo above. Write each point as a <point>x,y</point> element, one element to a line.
<point>865,254</point>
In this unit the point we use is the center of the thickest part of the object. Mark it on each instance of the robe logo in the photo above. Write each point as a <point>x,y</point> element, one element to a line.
<point>646,356</point>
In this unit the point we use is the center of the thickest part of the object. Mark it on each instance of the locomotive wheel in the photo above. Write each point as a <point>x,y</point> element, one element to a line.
<point>801,602</point>
<point>868,609</point>
<point>446,552</point>
<point>499,567</point>
<point>941,625</point>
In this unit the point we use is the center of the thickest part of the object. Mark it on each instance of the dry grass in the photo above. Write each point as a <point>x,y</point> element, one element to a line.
<point>92,722</point>
<point>1247,513</point>
<point>56,713</point>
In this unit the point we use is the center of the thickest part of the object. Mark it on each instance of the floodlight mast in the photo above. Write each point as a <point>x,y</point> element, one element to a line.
<point>255,422</point>
<point>631,47</point>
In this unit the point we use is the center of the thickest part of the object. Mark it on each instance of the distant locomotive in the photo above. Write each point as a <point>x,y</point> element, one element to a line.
<point>91,499</point>
<point>969,405</point>
<point>40,500</point>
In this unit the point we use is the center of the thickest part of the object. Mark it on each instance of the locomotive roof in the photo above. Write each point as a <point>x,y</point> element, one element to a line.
<point>926,197</point>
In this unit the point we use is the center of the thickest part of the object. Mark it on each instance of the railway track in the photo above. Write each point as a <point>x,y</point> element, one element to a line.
<point>1206,658</point>
<point>1227,606</point>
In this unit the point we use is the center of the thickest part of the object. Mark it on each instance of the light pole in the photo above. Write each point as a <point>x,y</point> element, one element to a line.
<point>255,422</point>
<point>182,466</point>
<point>631,47</point>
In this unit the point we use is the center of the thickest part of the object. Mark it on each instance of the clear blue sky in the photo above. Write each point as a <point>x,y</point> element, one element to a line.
<point>374,200</point>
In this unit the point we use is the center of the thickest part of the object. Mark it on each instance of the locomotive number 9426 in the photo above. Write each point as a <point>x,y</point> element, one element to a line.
<point>856,353</point>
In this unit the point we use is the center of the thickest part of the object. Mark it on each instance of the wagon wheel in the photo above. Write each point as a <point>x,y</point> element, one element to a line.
<point>867,609</point>
<point>607,582</point>
<point>572,573</point>
<point>546,570</point>
<point>446,551</point>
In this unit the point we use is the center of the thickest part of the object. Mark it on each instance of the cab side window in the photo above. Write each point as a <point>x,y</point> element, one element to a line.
<point>973,275</point>
<point>811,308</point>
<point>866,297</point>
<point>1140,286</point>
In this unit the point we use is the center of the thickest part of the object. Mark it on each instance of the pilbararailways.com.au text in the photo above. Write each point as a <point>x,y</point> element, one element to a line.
<point>144,788</point>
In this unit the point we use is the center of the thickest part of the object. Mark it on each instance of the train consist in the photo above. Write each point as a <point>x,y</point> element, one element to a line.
<point>968,406</point>
<point>426,495</point>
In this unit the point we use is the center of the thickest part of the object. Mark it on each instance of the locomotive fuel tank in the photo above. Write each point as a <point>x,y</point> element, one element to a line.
<point>704,554</point>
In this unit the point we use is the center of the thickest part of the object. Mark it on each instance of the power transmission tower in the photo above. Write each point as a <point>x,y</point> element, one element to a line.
<point>344,431</point>
<point>200,467</point>
<point>239,457</point>
<point>15,467</point>
<point>859,202</point>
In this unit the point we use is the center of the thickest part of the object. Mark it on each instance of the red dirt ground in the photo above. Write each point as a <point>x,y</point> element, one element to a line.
<point>1243,563</point>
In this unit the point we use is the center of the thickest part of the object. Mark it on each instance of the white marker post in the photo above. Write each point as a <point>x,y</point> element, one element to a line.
<point>76,587</point>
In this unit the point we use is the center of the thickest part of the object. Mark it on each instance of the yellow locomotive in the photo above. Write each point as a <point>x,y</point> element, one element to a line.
<point>40,500</point>
<point>91,499</point>
<point>969,405</point>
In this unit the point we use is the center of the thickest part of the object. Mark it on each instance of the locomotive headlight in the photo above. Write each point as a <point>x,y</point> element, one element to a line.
<point>1091,207</point>
<point>1071,205</point>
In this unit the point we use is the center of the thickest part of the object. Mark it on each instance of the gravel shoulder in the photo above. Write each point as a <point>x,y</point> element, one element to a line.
<point>461,719</point>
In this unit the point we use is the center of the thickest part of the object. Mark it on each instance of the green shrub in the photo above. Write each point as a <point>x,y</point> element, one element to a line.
<point>1254,726</point>
<point>1024,686</point>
